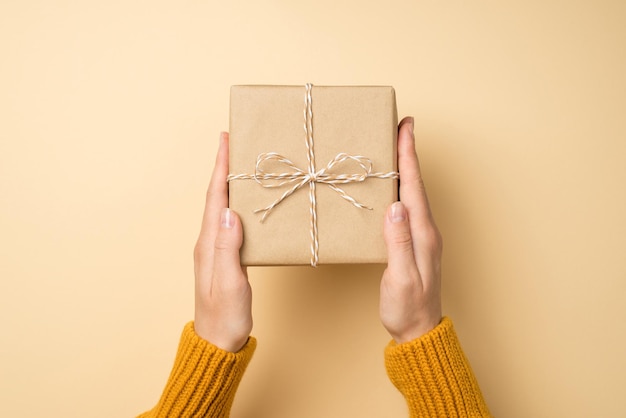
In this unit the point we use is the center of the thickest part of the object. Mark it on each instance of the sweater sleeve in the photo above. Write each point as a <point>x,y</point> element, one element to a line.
<point>434,375</point>
<point>204,379</point>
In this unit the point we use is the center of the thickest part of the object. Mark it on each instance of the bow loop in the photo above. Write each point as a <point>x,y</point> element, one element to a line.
<point>267,179</point>
<point>359,166</point>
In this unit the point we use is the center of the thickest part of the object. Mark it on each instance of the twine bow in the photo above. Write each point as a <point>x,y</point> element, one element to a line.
<point>298,178</point>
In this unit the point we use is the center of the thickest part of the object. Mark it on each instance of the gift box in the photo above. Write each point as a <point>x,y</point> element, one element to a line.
<point>312,172</point>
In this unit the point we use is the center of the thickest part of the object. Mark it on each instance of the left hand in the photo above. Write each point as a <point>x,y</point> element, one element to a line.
<point>223,313</point>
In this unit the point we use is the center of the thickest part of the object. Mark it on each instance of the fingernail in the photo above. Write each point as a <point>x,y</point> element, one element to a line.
<point>411,124</point>
<point>227,220</point>
<point>397,213</point>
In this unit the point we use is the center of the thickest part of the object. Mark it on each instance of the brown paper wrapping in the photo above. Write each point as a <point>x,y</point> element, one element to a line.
<point>353,120</point>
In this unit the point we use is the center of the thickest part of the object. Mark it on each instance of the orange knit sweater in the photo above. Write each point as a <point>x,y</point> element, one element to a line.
<point>431,372</point>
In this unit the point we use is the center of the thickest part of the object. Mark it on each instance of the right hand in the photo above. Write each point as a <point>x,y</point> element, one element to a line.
<point>410,290</point>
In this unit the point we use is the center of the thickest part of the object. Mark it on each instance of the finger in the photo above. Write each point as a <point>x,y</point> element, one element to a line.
<point>227,265</point>
<point>412,191</point>
<point>397,234</point>
<point>217,193</point>
<point>426,237</point>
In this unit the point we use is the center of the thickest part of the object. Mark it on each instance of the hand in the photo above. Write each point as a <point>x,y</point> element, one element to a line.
<point>223,314</point>
<point>410,290</point>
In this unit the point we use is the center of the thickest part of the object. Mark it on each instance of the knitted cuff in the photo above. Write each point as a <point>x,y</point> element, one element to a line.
<point>434,375</point>
<point>204,378</point>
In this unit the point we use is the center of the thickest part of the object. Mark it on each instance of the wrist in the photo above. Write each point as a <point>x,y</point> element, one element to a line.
<point>418,330</point>
<point>218,338</point>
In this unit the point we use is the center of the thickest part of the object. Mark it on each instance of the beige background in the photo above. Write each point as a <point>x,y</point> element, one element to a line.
<point>109,118</point>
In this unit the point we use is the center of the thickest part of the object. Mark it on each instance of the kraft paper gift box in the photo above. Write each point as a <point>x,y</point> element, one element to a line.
<point>351,131</point>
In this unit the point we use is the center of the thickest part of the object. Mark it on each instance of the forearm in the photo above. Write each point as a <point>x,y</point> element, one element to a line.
<point>434,375</point>
<point>203,380</point>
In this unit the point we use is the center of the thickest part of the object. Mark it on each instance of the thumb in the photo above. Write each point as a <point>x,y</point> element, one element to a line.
<point>397,235</point>
<point>227,244</point>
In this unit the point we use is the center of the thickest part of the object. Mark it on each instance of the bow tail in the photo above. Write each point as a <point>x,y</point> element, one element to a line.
<point>266,210</point>
<point>348,198</point>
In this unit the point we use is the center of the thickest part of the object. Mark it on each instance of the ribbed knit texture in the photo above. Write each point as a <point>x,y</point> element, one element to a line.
<point>204,379</point>
<point>434,375</point>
